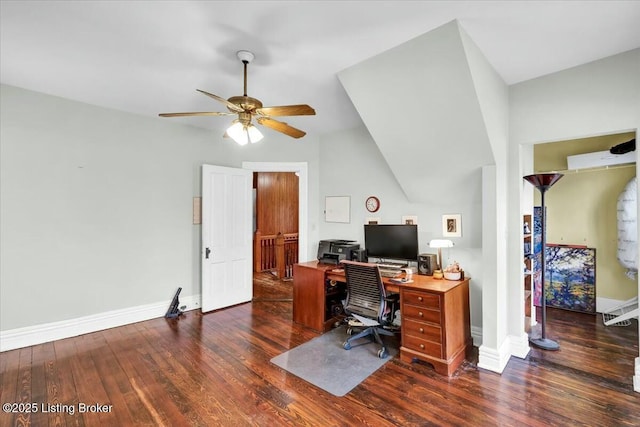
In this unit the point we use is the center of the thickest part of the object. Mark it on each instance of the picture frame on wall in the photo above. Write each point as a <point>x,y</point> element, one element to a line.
<point>409,220</point>
<point>452,225</point>
<point>337,209</point>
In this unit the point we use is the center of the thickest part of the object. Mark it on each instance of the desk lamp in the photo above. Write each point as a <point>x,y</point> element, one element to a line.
<point>543,181</point>
<point>440,243</point>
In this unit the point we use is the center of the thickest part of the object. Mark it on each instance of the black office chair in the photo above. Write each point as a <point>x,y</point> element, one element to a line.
<point>366,302</point>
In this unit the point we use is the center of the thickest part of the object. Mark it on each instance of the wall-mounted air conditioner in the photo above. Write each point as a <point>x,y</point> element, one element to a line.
<point>599,159</point>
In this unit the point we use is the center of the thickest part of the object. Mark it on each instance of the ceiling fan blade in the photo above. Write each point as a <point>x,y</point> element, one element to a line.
<point>197,113</point>
<point>281,127</point>
<point>230,105</point>
<point>287,110</point>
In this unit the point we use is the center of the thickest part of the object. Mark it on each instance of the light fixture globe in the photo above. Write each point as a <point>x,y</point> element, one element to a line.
<point>244,133</point>
<point>543,181</point>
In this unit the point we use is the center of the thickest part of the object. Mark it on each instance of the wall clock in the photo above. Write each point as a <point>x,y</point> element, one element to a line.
<point>372,203</point>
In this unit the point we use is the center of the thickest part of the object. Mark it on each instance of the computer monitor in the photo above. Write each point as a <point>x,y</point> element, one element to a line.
<point>391,241</point>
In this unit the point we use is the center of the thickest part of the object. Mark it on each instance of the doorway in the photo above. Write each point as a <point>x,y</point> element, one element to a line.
<point>301,170</point>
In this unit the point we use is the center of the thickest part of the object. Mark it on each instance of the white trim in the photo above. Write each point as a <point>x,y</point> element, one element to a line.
<point>38,334</point>
<point>476,335</point>
<point>636,378</point>
<point>493,360</point>
<point>303,182</point>
<point>519,345</point>
<point>603,305</point>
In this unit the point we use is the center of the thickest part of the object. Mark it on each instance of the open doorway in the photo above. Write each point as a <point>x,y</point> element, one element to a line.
<point>582,211</point>
<point>582,208</point>
<point>275,223</point>
<point>300,170</point>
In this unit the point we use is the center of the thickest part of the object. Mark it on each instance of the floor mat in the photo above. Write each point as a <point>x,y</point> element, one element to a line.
<point>326,364</point>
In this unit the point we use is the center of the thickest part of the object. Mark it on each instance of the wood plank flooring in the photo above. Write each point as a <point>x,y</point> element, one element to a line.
<point>214,369</point>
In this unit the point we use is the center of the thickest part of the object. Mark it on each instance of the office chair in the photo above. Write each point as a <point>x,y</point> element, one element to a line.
<point>366,302</point>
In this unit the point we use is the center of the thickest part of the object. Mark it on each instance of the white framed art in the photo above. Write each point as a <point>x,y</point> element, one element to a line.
<point>452,225</point>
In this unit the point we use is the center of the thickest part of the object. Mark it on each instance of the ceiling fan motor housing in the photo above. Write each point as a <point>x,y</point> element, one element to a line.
<point>247,103</point>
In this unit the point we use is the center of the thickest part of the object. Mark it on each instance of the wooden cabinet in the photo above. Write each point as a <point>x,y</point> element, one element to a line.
<point>527,243</point>
<point>435,325</point>
<point>315,301</point>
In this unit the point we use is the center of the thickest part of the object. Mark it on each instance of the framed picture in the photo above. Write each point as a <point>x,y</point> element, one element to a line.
<point>570,278</point>
<point>452,225</point>
<point>337,209</point>
<point>410,220</point>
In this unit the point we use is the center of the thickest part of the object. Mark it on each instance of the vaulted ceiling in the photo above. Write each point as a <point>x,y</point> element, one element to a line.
<point>149,57</point>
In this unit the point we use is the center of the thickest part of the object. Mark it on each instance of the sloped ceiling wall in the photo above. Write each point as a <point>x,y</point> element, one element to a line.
<point>420,105</point>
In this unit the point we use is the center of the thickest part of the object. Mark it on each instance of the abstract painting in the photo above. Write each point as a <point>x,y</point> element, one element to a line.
<point>570,278</point>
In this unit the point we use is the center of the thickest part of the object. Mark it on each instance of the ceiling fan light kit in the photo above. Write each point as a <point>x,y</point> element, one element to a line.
<point>244,134</point>
<point>242,130</point>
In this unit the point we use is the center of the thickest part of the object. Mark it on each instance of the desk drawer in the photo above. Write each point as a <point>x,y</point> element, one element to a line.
<point>422,330</point>
<point>412,312</point>
<point>421,299</point>
<point>427,347</point>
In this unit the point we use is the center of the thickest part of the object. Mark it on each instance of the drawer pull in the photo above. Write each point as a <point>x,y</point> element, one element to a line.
<point>422,346</point>
<point>420,314</point>
<point>421,330</point>
<point>420,299</point>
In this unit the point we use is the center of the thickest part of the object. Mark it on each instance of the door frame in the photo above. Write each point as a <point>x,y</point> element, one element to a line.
<point>303,203</point>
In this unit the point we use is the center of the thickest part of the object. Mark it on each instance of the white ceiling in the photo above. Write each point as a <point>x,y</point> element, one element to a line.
<point>149,57</point>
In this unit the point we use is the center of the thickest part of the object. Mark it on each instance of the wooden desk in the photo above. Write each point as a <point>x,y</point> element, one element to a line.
<point>435,313</point>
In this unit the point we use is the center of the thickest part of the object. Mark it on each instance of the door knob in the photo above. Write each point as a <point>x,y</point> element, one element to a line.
<point>207,251</point>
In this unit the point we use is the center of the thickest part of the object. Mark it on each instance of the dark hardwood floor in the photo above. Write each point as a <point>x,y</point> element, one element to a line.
<point>214,369</point>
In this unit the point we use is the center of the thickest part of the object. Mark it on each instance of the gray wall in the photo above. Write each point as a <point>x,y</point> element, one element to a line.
<point>96,205</point>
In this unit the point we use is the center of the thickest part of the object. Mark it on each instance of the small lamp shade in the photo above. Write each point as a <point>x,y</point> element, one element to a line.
<point>543,181</point>
<point>439,244</point>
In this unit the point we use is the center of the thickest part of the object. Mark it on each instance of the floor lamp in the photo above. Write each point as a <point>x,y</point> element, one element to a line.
<point>543,181</point>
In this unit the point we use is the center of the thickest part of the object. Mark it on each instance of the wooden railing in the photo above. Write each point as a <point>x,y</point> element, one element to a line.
<point>276,252</point>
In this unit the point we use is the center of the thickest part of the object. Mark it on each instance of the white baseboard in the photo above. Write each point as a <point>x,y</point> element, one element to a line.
<point>519,345</point>
<point>38,334</point>
<point>605,304</point>
<point>636,377</point>
<point>492,359</point>
<point>476,335</point>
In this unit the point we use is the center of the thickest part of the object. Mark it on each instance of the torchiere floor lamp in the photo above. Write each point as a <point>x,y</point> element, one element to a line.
<point>543,181</point>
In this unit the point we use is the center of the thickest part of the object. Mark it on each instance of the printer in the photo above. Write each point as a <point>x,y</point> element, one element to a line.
<point>335,250</point>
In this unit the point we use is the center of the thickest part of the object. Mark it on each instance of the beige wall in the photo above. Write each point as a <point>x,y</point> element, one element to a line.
<point>582,210</point>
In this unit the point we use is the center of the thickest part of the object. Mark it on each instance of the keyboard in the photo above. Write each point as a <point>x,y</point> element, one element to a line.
<point>390,273</point>
<point>392,265</point>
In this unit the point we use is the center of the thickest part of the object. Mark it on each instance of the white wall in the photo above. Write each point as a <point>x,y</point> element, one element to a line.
<point>598,98</point>
<point>96,206</point>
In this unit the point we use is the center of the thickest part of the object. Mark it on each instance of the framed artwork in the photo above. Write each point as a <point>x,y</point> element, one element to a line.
<point>410,220</point>
<point>570,278</point>
<point>452,225</point>
<point>337,209</point>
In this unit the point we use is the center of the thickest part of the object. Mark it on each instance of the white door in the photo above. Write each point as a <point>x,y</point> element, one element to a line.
<point>227,277</point>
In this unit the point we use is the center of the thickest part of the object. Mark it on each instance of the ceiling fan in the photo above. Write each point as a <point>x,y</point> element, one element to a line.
<point>245,107</point>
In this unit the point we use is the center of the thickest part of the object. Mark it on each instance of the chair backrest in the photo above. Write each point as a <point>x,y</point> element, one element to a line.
<point>365,291</point>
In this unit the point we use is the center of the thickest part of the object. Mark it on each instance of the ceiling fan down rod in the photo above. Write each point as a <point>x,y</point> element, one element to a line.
<point>245,77</point>
<point>245,56</point>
